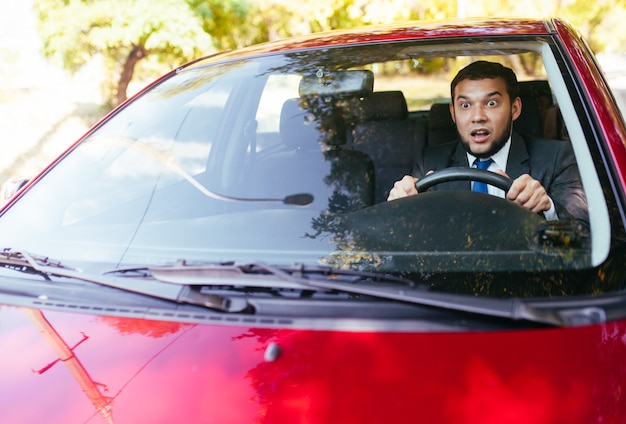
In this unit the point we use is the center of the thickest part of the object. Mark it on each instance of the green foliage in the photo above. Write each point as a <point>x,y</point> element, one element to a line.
<point>122,32</point>
<point>142,38</point>
<point>600,22</point>
<point>226,21</point>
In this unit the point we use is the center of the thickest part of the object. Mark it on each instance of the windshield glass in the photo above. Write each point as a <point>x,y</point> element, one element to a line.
<point>290,158</point>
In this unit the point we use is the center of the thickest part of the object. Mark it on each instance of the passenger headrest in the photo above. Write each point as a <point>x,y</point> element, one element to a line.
<point>298,127</point>
<point>439,116</point>
<point>536,96</point>
<point>441,127</point>
<point>537,89</point>
<point>382,105</point>
<point>301,128</point>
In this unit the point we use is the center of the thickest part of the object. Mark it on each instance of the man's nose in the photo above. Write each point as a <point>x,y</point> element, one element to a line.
<point>478,114</point>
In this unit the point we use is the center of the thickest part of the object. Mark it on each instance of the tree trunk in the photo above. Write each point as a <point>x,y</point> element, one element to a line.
<point>136,54</point>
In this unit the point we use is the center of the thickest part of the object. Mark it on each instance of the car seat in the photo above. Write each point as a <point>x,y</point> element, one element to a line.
<point>314,161</point>
<point>384,131</point>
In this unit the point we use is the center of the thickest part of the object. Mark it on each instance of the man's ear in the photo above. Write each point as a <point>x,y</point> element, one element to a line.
<point>516,108</point>
<point>452,112</point>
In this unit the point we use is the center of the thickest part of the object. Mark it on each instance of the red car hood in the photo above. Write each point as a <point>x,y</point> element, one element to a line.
<point>60,367</point>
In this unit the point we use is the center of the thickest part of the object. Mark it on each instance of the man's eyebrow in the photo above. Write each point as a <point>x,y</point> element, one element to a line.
<point>495,93</point>
<point>490,94</point>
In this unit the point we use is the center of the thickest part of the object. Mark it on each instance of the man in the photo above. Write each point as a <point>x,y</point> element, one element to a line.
<point>484,104</point>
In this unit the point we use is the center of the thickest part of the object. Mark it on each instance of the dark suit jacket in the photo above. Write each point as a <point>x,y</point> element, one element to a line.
<point>551,162</point>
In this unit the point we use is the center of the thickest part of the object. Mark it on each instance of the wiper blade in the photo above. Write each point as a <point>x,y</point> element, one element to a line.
<point>257,275</point>
<point>561,313</point>
<point>23,261</point>
<point>354,282</point>
<point>261,275</point>
<point>183,283</point>
<point>375,285</point>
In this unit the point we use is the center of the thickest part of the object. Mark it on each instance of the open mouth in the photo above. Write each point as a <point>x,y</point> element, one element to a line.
<point>480,134</point>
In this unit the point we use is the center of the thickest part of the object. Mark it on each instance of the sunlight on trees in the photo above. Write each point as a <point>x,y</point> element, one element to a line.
<point>122,33</point>
<point>140,39</point>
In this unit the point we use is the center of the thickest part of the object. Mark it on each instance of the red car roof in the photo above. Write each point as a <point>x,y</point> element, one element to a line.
<point>401,31</point>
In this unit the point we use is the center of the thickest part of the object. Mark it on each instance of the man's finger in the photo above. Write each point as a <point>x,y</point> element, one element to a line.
<point>402,188</point>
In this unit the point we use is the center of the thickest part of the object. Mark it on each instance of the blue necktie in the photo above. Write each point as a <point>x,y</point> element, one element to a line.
<point>481,164</point>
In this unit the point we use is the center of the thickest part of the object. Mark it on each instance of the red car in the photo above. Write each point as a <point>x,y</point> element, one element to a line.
<point>228,245</point>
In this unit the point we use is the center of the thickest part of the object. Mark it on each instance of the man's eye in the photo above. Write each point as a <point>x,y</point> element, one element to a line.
<point>492,103</point>
<point>465,105</point>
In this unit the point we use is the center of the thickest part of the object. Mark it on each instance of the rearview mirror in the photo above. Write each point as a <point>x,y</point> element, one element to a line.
<point>338,83</point>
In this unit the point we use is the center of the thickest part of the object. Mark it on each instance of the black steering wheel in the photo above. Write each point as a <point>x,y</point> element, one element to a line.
<point>464,174</point>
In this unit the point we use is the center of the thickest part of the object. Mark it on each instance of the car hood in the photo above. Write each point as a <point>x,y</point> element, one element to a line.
<point>61,367</point>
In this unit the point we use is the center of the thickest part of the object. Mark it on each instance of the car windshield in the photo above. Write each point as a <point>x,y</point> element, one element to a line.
<point>290,157</point>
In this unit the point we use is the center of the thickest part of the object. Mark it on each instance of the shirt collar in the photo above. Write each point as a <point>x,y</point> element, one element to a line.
<point>499,159</point>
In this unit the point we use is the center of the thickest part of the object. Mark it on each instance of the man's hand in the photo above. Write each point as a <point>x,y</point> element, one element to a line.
<point>403,188</point>
<point>529,193</point>
<point>525,191</point>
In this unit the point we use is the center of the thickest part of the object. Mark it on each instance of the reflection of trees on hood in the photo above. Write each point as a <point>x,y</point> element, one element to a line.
<point>289,377</point>
<point>144,327</point>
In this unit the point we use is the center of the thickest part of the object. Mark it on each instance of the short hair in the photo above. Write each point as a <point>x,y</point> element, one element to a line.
<point>482,69</point>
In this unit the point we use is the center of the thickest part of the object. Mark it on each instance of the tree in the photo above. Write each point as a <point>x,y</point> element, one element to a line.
<point>228,22</point>
<point>599,21</point>
<point>128,33</point>
<point>238,23</point>
<point>123,33</point>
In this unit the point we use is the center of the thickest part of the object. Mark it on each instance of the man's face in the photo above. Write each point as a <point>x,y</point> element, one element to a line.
<point>484,115</point>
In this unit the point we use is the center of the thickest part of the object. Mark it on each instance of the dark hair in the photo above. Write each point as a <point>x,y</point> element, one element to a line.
<point>482,69</point>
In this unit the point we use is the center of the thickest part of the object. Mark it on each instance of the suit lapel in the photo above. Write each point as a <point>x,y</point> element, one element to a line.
<point>459,159</point>
<point>518,162</point>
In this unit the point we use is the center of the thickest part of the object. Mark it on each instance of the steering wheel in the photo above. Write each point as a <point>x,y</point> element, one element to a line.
<point>464,174</point>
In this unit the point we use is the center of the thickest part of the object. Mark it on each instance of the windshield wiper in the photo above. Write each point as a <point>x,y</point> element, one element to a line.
<point>23,261</point>
<point>354,282</point>
<point>259,274</point>
<point>183,283</point>
<point>566,312</point>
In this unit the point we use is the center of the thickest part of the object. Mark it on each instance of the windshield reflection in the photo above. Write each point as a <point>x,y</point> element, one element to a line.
<point>241,161</point>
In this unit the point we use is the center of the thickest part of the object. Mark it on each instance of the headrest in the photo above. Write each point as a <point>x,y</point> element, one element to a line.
<point>439,116</point>
<point>536,96</point>
<point>300,128</point>
<point>382,105</point>
<point>441,127</point>
<point>535,89</point>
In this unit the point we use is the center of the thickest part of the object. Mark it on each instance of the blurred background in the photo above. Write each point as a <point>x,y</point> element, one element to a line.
<point>65,64</point>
